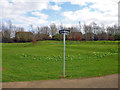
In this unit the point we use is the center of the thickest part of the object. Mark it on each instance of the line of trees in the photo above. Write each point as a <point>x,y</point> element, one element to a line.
<point>91,32</point>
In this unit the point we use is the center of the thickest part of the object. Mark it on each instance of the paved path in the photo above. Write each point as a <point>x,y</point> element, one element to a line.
<point>109,81</point>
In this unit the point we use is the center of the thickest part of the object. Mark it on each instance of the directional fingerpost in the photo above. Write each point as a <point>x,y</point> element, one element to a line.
<point>64,32</point>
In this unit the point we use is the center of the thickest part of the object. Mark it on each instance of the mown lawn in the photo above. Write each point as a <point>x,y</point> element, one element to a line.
<point>43,61</point>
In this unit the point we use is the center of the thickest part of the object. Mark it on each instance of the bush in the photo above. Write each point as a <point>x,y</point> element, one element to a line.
<point>117,37</point>
<point>112,38</point>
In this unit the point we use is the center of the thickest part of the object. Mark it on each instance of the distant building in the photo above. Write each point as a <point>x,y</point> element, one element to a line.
<point>75,36</point>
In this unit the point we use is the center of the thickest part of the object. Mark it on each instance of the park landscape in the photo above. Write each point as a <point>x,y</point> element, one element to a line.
<point>32,36</point>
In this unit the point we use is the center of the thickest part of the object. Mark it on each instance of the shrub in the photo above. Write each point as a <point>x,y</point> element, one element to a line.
<point>112,38</point>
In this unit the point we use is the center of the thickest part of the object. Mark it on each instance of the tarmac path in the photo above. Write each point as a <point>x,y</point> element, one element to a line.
<point>109,81</point>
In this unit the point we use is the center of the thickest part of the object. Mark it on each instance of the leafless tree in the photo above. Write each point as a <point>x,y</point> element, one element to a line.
<point>80,26</point>
<point>53,29</point>
<point>89,35</point>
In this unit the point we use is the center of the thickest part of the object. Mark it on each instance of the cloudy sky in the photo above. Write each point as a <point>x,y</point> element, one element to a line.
<point>68,12</point>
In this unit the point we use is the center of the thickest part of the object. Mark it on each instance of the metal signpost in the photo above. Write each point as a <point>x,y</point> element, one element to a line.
<point>64,31</point>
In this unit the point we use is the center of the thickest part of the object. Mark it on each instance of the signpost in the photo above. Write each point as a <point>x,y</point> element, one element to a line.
<point>64,32</point>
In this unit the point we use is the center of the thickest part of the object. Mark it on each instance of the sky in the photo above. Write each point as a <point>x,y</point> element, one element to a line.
<point>68,12</point>
<point>119,14</point>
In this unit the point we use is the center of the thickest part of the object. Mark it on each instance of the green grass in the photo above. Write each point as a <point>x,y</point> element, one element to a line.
<point>43,61</point>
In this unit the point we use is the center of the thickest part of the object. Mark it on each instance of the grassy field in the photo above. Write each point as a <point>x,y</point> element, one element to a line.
<point>43,61</point>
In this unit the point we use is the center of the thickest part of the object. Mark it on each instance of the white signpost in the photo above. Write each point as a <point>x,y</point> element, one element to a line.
<point>64,32</point>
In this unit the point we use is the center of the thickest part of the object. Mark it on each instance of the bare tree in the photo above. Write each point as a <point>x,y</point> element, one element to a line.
<point>53,29</point>
<point>45,30</point>
<point>89,35</point>
<point>61,26</point>
<point>80,26</point>
<point>6,32</point>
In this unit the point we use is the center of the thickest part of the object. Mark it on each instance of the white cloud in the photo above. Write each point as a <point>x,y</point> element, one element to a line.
<point>41,15</point>
<point>87,16</point>
<point>108,7</point>
<point>119,14</point>
<point>55,7</point>
<point>16,10</point>
<point>23,21</point>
